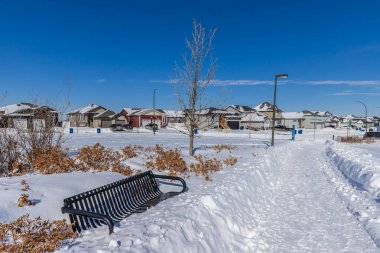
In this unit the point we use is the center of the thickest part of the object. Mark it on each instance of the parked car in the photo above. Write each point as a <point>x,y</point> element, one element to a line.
<point>332,126</point>
<point>117,127</point>
<point>251,128</point>
<point>282,127</point>
<point>152,126</point>
<point>128,126</point>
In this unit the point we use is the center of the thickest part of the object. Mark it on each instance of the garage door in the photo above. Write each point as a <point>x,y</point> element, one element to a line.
<point>233,124</point>
<point>148,121</point>
<point>120,122</point>
<point>38,124</point>
<point>106,123</point>
<point>20,123</point>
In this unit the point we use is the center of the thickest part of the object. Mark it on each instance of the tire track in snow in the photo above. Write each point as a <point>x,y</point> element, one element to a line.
<point>302,211</point>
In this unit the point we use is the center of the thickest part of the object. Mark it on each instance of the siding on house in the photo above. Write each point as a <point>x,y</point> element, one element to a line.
<point>84,116</point>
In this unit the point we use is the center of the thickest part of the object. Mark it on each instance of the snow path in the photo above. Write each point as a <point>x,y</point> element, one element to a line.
<point>302,211</point>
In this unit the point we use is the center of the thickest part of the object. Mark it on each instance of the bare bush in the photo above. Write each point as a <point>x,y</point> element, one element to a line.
<point>33,235</point>
<point>9,152</point>
<point>170,160</point>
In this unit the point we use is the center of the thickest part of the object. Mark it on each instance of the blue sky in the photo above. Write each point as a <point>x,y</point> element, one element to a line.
<point>114,53</point>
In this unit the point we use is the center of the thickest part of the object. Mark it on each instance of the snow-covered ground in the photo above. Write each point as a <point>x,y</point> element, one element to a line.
<point>311,195</point>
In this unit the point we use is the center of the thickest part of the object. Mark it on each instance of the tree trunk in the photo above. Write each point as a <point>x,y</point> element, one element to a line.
<point>191,143</point>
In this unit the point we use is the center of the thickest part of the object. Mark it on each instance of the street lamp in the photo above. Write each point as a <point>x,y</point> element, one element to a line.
<point>366,118</point>
<point>154,111</point>
<point>274,103</point>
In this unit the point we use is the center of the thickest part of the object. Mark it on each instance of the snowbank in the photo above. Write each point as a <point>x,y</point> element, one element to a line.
<point>359,166</point>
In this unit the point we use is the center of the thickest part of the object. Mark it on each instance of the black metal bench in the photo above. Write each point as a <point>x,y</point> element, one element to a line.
<point>113,202</point>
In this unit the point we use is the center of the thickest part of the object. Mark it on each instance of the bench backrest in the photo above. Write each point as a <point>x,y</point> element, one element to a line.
<point>117,200</point>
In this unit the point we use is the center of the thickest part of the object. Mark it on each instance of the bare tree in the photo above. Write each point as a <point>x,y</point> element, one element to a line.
<point>196,73</point>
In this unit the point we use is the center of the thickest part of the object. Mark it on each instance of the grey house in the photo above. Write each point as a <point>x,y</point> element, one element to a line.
<point>84,116</point>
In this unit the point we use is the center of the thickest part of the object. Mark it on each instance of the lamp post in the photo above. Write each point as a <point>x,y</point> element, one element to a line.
<point>366,118</point>
<point>274,103</point>
<point>154,111</point>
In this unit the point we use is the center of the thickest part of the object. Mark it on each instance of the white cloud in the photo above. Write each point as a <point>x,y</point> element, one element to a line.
<point>349,93</point>
<point>103,80</point>
<point>249,82</point>
<point>344,82</point>
<point>244,82</point>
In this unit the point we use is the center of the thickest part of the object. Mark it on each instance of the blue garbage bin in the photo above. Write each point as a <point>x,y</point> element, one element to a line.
<point>195,131</point>
<point>300,131</point>
<point>98,130</point>
<point>71,130</point>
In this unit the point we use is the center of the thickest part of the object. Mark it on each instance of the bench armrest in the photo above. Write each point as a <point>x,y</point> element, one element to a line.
<point>173,178</point>
<point>99,216</point>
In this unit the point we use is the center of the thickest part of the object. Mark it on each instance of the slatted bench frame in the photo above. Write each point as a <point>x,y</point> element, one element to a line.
<point>113,202</point>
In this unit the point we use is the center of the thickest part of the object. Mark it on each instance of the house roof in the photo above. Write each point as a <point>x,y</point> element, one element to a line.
<point>132,110</point>
<point>317,113</point>
<point>87,109</point>
<point>145,111</point>
<point>174,114</point>
<point>105,114</point>
<point>213,110</point>
<point>241,108</point>
<point>292,115</point>
<point>266,107</point>
<point>13,108</point>
<point>254,117</point>
<point>20,108</point>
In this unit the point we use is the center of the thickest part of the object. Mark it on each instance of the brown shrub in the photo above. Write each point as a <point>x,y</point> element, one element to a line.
<point>170,160</point>
<point>33,235</point>
<point>131,151</point>
<point>95,157</point>
<point>24,201</point>
<point>99,158</point>
<point>205,166</point>
<point>52,160</point>
<point>230,161</point>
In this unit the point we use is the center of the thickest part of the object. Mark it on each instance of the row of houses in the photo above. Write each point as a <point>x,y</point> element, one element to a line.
<point>322,119</point>
<point>28,115</point>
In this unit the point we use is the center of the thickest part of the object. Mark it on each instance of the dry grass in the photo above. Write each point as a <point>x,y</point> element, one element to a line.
<point>169,160</point>
<point>33,235</point>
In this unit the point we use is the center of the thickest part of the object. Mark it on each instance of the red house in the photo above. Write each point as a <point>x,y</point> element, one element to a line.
<point>138,117</point>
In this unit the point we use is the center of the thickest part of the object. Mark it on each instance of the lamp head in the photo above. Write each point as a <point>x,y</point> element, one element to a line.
<point>282,76</point>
